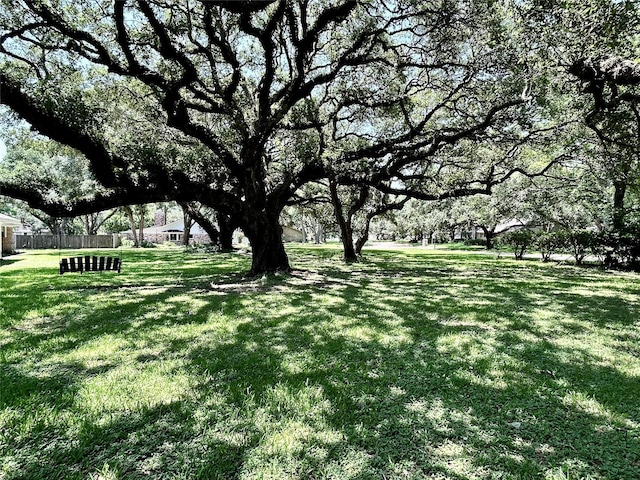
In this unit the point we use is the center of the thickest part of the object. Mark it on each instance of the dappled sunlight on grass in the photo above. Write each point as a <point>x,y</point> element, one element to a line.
<point>411,364</point>
<point>130,387</point>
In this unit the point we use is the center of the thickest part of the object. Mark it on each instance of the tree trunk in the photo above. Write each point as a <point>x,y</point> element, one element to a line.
<point>85,224</point>
<point>186,234</point>
<point>365,234</point>
<point>188,222</point>
<point>360,243</point>
<point>620,190</point>
<point>267,248</point>
<point>132,225</point>
<point>227,226</point>
<point>303,229</point>
<point>141,209</point>
<point>346,235</point>
<point>346,228</point>
<point>196,214</point>
<point>489,236</point>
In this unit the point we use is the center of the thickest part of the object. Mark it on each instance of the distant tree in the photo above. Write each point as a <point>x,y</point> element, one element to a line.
<point>137,217</point>
<point>311,210</point>
<point>596,43</point>
<point>420,220</point>
<point>488,212</point>
<point>614,84</point>
<point>94,221</point>
<point>219,226</point>
<point>354,208</point>
<point>59,171</point>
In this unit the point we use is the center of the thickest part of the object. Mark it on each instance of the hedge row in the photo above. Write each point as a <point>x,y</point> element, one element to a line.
<point>612,249</point>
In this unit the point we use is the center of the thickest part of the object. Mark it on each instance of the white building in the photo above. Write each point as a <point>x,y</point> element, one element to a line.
<point>172,232</point>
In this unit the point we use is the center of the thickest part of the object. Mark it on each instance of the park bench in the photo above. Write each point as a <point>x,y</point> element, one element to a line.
<point>90,264</point>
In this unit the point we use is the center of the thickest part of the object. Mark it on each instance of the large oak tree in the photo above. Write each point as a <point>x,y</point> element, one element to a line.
<point>237,104</point>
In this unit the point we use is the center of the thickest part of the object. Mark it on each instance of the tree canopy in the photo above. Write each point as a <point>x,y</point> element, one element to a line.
<point>237,104</point>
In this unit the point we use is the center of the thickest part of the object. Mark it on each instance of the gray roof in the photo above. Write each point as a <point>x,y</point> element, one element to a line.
<point>7,221</point>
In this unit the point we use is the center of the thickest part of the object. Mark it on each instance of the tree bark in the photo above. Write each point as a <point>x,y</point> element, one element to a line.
<point>87,221</point>
<point>619,192</point>
<point>141,209</point>
<point>365,235</point>
<point>132,225</point>
<point>265,236</point>
<point>303,229</point>
<point>188,223</point>
<point>489,237</point>
<point>226,226</point>
<point>346,228</point>
<point>361,241</point>
<point>318,233</point>
<point>205,221</point>
<point>346,235</point>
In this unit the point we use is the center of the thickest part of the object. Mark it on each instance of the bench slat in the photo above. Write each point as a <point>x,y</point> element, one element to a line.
<point>90,264</point>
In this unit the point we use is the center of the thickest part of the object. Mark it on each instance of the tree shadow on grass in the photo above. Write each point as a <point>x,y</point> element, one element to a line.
<point>503,403</point>
<point>384,370</point>
<point>5,262</point>
<point>418,412</point>
<point>153,442</point>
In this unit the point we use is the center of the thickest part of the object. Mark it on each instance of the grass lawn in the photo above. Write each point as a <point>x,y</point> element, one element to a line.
<point>415,364</point>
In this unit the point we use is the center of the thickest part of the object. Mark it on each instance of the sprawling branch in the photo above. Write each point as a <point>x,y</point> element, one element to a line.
<point>607,69</point>
<point>79,206</point>
<point>49,123</point>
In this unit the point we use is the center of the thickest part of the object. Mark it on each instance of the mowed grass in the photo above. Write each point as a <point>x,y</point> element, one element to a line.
<point>413,364</point>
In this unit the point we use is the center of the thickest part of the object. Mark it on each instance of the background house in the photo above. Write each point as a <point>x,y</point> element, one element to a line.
<point>172,232</point>
<point>7,225</point>
<point>290,234</point>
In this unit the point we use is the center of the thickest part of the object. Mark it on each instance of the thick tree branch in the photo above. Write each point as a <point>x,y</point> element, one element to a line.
<point>48,123</point>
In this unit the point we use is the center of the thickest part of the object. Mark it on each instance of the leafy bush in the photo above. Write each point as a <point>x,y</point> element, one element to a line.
<point>518,241</point>
<point>619,249</point>
<point>168,244</point>
<point>581,242</point>
<point>474,242</point>
<point>202,248</point>
<point>550,242</point>
<point>126,242</point>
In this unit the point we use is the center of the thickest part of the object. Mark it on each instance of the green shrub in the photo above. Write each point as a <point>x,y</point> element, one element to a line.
<point>549,243</point>
<point>473,242</point>
<point>518,241</point>
<point>618,249</point>
<point>580,243</point>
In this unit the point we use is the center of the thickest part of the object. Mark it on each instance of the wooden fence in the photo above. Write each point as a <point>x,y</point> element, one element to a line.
<point>38,242</point>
